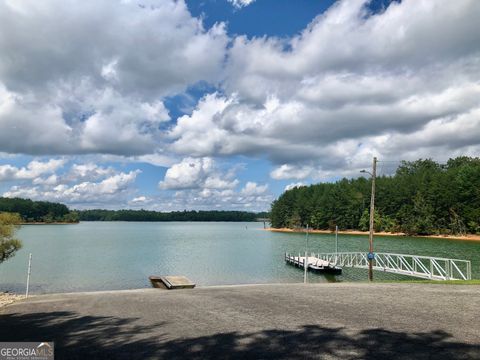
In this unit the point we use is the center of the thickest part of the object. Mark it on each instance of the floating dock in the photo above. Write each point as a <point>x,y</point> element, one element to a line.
<point>424,267</point>
<point>171,282</point>
<point>313,264</point>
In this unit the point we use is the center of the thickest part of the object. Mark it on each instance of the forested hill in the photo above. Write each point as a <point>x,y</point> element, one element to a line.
<point>38,211</point>
<point>145,215</point>
<point>422,197</point>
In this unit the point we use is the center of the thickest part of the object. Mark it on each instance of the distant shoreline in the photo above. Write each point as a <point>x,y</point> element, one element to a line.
<point>469,237</point>
<point>49,223</point>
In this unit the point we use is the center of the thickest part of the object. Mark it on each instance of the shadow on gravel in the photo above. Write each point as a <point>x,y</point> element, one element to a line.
<point>89,337</point>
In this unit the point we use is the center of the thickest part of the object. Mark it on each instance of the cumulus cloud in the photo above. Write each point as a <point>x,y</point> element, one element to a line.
<point>201,183</point>
<point>140,200</point>
<point>87,172</point>
<point>94,78</point>
<point>294,185</point>
<point>204,122</point>
<point>207,199</point>
<point>399,84</point>
<point>288,171</point>
<point>32,171</point>
<point>109,190</point>
<point>252,188</point>
<point>240,3</point>
<point>352,85</point>
<point>195,173</point>
<point>82,185</point>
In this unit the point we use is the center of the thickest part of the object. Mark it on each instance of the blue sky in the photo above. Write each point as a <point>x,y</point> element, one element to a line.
<point>223,104</point>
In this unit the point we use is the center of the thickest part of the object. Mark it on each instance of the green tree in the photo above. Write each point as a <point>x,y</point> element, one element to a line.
<point>422,197</point>
<point>9,223</point>
<point>380,222</point>
<point>71,217</point>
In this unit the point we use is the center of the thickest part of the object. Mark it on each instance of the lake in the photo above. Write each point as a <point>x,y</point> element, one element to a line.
<point>121,255</point>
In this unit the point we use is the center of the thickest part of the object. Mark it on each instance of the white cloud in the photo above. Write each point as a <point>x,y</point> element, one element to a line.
<point>88,172</point>
<point>83,185</point>
<point>195,173</point>
<point>50,180</point>
<point>140,199</point>
<point>93,80</point>
<point>31,127</point>
<point>211,199</point>
<point>148,49</point>
<point>240,3</point>
<point>32,171</point>
<point>156,159</point>
<point>109,190</point>
<point>400,84</point>
<point>203,122</point>
<point>287,171</point>
<point>252,188</point>
<point>201,183</point>
<point>323,102</point>
<point>294,185</point>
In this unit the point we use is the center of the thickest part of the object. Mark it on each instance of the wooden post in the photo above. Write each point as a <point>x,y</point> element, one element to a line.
<point>28,274</point>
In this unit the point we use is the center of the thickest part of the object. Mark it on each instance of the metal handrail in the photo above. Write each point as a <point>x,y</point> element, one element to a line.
<point>428,267</point>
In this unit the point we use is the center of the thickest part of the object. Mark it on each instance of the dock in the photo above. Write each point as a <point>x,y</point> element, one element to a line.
<point>423,267</point>
<point>171,282</point>
<point>313,264</point>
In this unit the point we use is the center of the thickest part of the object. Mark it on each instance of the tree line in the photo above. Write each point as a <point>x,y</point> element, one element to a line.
<point>37,211</point>
<point>423,197</point>
<point>147,215</point>
<point>48,212</point>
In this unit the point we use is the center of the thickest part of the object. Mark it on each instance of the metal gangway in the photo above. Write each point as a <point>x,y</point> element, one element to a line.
<point>425,267</point>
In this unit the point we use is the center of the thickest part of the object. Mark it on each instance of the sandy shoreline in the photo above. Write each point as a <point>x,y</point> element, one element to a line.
<point>365,233</point>
<point>8,298</point>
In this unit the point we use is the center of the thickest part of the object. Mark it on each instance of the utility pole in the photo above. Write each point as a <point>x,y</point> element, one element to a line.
<point>372,214</point>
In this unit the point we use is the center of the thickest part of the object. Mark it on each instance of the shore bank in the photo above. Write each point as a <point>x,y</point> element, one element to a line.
<point>8,298</point>
<point>469,237</point>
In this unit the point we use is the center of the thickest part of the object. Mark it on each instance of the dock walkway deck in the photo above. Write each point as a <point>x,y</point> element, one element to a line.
<point>313,263</point>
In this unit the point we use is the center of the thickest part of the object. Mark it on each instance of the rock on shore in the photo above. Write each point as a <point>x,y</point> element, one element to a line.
<point>8,298</point>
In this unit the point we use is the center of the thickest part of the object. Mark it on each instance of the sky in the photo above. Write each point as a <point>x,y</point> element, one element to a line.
<point>224,104</point>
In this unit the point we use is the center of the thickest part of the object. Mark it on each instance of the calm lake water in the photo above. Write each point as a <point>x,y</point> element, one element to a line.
<point>121,255</point>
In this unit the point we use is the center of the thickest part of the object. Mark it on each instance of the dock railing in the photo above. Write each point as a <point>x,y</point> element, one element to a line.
<point>425,267</point>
